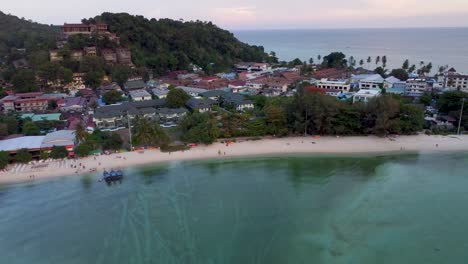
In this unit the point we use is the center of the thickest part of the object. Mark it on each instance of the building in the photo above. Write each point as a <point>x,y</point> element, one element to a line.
<point>72,104</point>
<point>252,67</point>
<point>140,95</point>
<point>109,56</point>
<point>236,101</point>
<point>109,87</point>
<point>171,115</point>
<point>61,138</point>
<point>160,92</point>
<point>134,85</point>
<point>42,117</point>
<point>112,117</point>
<point>456,80</point>
<point>368,81</point>
<point>31,143</point>
<point>192,91</point>
<point>25,102</point>
<point>54,56</point>
<point>200,105</point>
<point>337,85</point>
<point>416,87</point>
<point>83,29</point>
<point>76,55</point>
<point>365,95</point>
<point>124,56</point>
<point>90,51</point>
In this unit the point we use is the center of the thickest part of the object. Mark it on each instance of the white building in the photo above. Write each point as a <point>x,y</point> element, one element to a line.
<point>139,95</point>
<point>338,85</point>
<point>416,87</point>
<point>457,81</point>
<point>368,81</point>
<point>192,91</point>
<point>365,95</point>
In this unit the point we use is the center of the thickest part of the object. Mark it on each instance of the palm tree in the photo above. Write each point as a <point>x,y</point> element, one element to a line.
<point>148,133</point>
<point>369,60</point>
<point>377,60</point>
<point>384,61</point>
<point>311,61</point>
<point>319,57</point>
<point>80,133</point>
<point>361,62</point>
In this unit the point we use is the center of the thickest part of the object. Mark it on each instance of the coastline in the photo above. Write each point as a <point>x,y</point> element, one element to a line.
<point>264,147</point>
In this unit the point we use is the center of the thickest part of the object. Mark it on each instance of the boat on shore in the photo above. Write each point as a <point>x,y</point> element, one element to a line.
<point>112,176</point>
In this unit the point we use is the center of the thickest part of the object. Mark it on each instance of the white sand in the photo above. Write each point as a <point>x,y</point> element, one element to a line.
<point>273,146</point>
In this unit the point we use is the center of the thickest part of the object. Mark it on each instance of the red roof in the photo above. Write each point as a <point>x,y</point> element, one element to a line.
<point>314,89</point>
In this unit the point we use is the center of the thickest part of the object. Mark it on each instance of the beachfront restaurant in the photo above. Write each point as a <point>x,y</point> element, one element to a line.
<point>31,143</point>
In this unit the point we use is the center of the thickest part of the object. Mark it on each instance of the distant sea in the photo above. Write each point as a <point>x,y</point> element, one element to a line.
<point>441,46</point>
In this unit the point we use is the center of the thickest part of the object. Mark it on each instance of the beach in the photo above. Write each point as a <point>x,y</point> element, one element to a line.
<point>241,148</point>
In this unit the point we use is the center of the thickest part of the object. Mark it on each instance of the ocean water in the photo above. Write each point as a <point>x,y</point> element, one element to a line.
<point>441,46</point>
<point>305,209</point>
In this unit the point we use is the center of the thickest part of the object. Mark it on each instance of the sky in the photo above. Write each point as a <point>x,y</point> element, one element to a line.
<point>258,14</point>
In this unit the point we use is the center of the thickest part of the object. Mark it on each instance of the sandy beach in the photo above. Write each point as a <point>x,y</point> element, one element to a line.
<point>264,147</point>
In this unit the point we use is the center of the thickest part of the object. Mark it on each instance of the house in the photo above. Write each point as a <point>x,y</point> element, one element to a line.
<point>61,138</point>
<point>237,101</point>
<point>124,56</point>
<point>160,92</point>
<point>83,29</point>
<point>200,105</point>
<point>456,80</point>
<point>135,85</point>
<point>90,51</point>
<point>330,74</point>
<point>72,104</point>
<point>109,87</point>
<point>365,95</point>
<point>76,55</point>
<point>140,95</point>
<point>171,115</point>
<point>214,95</point>
<point>192,91</point>
<point>109,56</point>
<point>54,56</point>
<point>31,143</point>
<point>115,116</point>
<point>390,81</point>
<point>252,67</point>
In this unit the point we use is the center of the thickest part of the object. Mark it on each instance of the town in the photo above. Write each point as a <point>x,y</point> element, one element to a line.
<point>75,107</point>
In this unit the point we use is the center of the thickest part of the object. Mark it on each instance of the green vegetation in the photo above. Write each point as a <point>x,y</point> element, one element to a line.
<point>176,98</point>
<point>4,159</point>
<point>58,152</point>
<point>23,156</point>
<point>199,128</point>
<point>112,97</point>
<point>30,128</point>
<point>148,133</point>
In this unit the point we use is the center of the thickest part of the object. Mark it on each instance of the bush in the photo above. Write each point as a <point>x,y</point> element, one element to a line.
<point>166,149</point>
<point>4,159</point>
<point>58,152</point>
<point>23,156</point>
<point>83,150</point>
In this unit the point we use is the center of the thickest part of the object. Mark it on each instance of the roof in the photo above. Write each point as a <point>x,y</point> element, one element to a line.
<point>160,92</point>
<point>136,84</point>
<point>392,80</point>
<point>59,138</point>
<point>133,108</point>
<point>14,144</point>
<point>236,99</point>
<point>213,93</point>
<point>139,93</point>
<point>169,111</point>
<point>191,89</point>
<point>194,103</point>
<point>72,101</point>
<point>370,92</point>
<point>42,117</point>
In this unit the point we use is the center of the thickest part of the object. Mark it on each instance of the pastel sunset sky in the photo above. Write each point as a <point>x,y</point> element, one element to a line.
<point>258,14</point>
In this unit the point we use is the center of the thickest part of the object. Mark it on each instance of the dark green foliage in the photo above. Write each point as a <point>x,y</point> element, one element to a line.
<point>24,81</point>
<point>58,152</point>
<point>199,128</point>
<point>401,74</point>
<point>148,133</point>
<point>166,44</point>
<point>83,150</point>
<point>23,156</point>
<point>4,159</point>
<point>112,97</point>
<point>111,141</point>
<point>335,60</point>
<point>120,74</point>
<point>381,71</point>
<point>451,101</point>
<point>176,98</point>
<point>30,128</point>
<point>11,123</point>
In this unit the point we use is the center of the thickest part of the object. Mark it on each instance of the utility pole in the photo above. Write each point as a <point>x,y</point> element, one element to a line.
<point>129,132</point>
<point>461,115</point>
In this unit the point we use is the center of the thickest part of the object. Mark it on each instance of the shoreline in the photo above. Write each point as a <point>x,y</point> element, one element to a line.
<point>267,147</point>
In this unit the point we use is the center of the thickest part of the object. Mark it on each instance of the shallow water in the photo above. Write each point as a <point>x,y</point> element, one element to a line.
<point>385,209</point>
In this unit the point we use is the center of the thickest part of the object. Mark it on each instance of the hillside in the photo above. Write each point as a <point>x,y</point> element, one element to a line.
<point>168,44</point>
<point>20,33</point>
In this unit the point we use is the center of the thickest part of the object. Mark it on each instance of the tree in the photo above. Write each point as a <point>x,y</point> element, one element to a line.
<point>148,133</point>
<point>80,133</point>
<point>401,74</point>
<point>4,159</point>
<point>381,71</point>
<point>112,141</point>
<point>361,62</point>
<point>83,150</point>
<point>384,61</point>
<point>120,74</point>
<point>311,61</point>
<point>405,65</point>
<point>24,81</point>
<point>377,60</point>
<point>30,128</point>
<point>369,59</point>
<point>276,120</point>
<point>23,156</point>
<point>335,60</point>
<point>412,68</point>
<point>199,128</point>
<point>411,119</point>
<point>384,110</point>
<point>112,97</point>
<point>176,98</point>
<point>58,152</point>
<point>319,57</point>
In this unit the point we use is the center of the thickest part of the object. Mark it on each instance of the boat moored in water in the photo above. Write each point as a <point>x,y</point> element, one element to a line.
<point>113,176</point>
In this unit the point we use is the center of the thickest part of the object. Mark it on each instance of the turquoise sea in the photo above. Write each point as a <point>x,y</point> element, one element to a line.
<point>303,209</point>
<point>441,46</point>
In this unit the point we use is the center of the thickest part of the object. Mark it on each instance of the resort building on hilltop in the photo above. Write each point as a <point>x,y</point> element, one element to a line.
<point>416,87</point>
<point>83,29</point>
